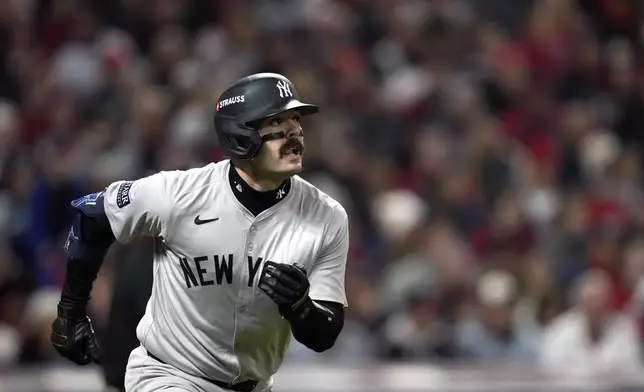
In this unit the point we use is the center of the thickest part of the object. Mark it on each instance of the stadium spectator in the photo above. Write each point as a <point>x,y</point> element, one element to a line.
<point>493,333</point>
<point>591,338</point>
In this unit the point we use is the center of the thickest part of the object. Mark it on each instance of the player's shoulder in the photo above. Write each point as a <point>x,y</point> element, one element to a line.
<point>181,182</point>
<point>316,201</point>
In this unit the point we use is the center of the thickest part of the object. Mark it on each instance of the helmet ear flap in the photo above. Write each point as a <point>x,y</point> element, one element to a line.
<point>239,140</point>
<point>254,143</point>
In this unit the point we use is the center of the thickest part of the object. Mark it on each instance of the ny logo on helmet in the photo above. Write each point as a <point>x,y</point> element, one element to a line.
<point>284,88</point>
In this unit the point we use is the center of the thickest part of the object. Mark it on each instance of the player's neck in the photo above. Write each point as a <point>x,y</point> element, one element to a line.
<point>260,185</point>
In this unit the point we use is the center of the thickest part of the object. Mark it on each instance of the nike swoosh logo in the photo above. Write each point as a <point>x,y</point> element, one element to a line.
<point>202,221</point>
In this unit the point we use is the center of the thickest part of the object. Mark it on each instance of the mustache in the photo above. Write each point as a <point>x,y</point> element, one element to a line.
<point>292,143</point>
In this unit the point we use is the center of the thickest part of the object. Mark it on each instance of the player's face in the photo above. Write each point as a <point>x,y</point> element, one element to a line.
<point>281,156</point>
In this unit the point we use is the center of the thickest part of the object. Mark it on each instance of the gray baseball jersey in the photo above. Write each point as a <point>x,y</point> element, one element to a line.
<point>206,315</point>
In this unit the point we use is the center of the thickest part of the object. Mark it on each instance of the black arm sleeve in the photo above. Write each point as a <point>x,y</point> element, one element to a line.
<point>320,328</point>
<point>89,238</point>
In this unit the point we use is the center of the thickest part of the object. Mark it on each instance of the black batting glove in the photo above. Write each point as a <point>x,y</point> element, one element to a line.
<point>73,336</point>
<point>288,286</point>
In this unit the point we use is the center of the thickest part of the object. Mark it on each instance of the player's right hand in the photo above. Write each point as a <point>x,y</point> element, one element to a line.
<point>73,337</point>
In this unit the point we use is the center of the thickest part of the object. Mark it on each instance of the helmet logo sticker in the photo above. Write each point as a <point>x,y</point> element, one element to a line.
<point>230,101</point>
<point>284,89</point>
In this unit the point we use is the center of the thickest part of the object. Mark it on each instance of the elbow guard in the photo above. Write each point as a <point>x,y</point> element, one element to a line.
<point>333,315</point>
<point>321,327</point>
<point>89,238</point>
<point>90,235</point>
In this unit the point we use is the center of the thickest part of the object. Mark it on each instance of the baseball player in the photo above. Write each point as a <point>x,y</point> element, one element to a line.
<point>246,253</point>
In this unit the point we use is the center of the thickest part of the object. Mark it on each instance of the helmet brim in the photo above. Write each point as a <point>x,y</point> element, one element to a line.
<point>305,109</point>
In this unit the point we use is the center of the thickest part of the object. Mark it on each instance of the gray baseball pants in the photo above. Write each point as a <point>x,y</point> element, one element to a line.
<point>146,374</point>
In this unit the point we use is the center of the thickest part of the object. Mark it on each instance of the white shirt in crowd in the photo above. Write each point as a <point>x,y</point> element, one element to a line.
<point>567,348</point>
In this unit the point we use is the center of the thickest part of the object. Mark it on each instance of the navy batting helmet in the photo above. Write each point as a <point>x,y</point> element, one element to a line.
<point>249,100</point>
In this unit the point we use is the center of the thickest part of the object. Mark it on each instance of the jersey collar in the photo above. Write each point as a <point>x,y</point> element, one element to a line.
<point>255,201</point>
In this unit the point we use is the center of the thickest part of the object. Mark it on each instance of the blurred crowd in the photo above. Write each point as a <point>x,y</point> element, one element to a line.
<point>488,153</point>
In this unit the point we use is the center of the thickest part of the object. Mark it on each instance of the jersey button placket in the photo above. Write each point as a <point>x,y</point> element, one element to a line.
<point>251,233</point>
<point>249,248</point>
<point>240,305</point>
<point>242,296</point>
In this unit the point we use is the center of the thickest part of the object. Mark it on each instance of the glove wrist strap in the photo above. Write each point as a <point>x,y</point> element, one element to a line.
<point>68,311</point>
<point>300,310</point>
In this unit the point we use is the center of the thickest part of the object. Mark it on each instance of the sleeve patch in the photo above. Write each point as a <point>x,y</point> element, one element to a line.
<point>123,194</point>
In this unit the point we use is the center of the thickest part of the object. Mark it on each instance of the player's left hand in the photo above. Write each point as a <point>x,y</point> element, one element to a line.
<point>288,286</point>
